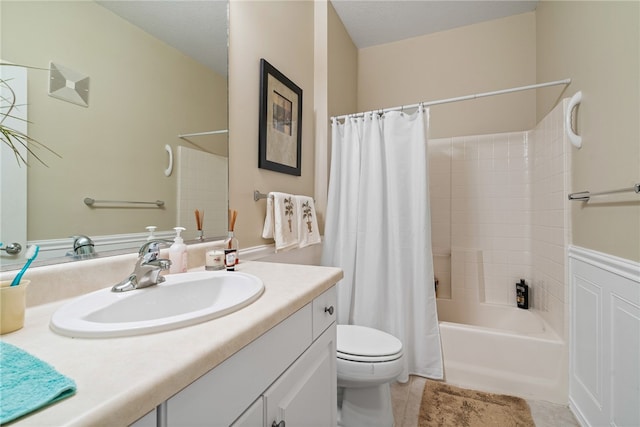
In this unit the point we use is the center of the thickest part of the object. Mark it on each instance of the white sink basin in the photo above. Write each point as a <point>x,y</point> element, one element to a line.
<point>182,300</point>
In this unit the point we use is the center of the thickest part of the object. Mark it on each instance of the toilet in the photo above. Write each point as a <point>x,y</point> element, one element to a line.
<point>368,361</point>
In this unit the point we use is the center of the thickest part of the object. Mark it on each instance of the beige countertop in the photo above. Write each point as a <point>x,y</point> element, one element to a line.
<point>119,380</point>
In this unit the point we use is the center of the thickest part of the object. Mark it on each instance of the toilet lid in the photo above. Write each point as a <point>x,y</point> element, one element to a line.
<point>354,340</point>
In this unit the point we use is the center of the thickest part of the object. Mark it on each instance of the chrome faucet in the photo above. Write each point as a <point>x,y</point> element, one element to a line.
<point>147,269</point>
<point>83,247</point>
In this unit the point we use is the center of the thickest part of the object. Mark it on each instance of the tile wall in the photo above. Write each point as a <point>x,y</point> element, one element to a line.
<point>202,179</point>
<point>499,214</point>
<point>551,156</point>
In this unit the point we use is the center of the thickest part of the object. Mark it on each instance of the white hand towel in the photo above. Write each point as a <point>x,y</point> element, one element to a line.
<point>281,221</point>
<point>267,229</point>
<point>308,233</point>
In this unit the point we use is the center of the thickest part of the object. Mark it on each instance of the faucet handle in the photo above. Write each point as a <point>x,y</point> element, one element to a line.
<point>164,264</point>
<point>150,250</point>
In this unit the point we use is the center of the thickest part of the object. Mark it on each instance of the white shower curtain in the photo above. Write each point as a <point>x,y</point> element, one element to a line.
<point>378,230</point>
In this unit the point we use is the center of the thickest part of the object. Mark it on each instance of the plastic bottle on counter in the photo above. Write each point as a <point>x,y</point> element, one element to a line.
<point>178,253</point>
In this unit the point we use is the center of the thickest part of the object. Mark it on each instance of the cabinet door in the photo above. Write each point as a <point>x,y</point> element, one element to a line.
<point>305,395</point>
<point>148,420</point>
<point>252,417</point>
<point>219,397</point>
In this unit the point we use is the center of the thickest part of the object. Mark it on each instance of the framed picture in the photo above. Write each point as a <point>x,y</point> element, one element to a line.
<point>280,144</point>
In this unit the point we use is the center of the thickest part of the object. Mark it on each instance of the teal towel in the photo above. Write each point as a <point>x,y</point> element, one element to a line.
<point>27,383</point>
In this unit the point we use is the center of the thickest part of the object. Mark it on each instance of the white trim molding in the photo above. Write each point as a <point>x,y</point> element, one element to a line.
<point>620,266</point>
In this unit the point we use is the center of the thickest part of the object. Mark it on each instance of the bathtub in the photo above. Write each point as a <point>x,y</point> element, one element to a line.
<point>502,349</point>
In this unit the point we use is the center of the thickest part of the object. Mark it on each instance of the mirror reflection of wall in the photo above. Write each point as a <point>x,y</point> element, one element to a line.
<point>143,93</point>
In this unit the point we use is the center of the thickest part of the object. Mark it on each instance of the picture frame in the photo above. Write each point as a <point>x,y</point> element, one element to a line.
<point>280,125</point>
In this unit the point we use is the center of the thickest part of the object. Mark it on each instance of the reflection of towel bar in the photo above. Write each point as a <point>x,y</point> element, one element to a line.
<point>90,202</point>
<point>213,132</point>
<point>586,195</point>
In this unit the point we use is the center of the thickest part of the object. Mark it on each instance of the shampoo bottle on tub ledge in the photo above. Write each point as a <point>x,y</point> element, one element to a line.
<point>522,294</point>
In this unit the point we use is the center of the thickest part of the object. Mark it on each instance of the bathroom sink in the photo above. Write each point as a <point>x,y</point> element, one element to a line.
<point>182,300</point>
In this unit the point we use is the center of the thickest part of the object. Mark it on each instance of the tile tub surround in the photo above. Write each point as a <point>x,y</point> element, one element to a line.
<point>161,364</point>
<point>499,211</point>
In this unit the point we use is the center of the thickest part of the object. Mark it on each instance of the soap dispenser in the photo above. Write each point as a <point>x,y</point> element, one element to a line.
<point>178,253</point>
<point>151,229</point>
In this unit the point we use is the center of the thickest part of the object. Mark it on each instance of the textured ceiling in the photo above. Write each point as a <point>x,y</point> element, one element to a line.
<point>371,23</point>
<point>199,28</point>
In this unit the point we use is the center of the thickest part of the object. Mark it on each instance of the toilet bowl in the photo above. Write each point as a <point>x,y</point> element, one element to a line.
<point>368,361</point>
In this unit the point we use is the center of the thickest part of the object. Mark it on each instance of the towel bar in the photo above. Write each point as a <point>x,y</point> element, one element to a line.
<point>586,195</point>
<point>258,195</point>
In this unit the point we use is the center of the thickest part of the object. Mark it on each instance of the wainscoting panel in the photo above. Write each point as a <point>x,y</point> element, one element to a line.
<point>604,373</point>
<point>586,355</point>
<point>625,365</point>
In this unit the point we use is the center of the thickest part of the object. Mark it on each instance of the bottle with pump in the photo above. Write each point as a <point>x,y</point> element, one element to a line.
<point>178,253</point>
<point>151,229</point>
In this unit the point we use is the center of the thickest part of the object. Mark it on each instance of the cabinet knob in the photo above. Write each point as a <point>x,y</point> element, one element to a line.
<point>329,310</point>
<point>280,424</point>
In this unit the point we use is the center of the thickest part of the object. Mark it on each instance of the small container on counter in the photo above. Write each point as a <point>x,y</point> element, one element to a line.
<point>214,260</point>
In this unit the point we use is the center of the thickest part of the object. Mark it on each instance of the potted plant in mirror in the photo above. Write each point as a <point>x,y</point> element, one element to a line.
<point>13,138</point>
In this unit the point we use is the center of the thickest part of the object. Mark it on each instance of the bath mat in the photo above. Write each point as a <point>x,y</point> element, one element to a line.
<point>444,405</point>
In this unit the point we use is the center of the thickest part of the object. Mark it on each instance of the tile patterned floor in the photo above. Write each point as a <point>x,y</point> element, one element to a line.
<point>407,397</point>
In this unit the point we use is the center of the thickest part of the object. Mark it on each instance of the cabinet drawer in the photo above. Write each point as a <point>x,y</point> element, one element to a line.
<point>324,311</point>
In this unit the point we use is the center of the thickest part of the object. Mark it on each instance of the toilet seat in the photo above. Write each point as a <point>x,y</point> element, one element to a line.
<point>367,361</point>
<point>362,344</point>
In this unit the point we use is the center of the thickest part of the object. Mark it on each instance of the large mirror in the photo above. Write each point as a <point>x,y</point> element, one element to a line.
<point>151,127</point>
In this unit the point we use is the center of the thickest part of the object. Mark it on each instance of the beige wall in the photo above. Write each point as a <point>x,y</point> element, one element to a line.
<point>114,149</point>
<point>342,77</point>
<point>343,68</point>
<point>315,51</point>
<point>597,45</point>
<point>320,107</point>
<point>282,33</point>
<point>503,52</point>
<point>477,58</point>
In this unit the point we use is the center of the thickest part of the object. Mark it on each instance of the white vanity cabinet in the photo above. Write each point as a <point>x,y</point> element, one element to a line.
<point>286,376</point>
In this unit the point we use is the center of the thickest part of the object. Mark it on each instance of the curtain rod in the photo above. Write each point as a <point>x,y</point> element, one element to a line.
<point>459,98</point>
